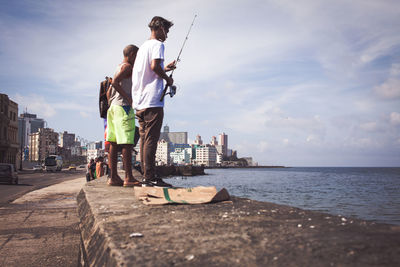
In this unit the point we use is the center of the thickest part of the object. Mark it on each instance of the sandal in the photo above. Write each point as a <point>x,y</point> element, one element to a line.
<point>113,183</point>
<point>132,183</point>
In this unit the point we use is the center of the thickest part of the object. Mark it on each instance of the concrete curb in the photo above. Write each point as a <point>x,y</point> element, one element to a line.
<point>95,247</point>
<point>241,232</point>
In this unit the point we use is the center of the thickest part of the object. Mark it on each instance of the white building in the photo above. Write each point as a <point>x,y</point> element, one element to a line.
<point>214,141</point>
<point>95,145</point>
<point>162,156</point>
<point>219,158</point>
<point>181,156</point>
<point>198,140</point>
<point>219,149</point>
<point>76,151</point>
<point>83,151</point>
<point>94,153</point>
<point>206,155</point>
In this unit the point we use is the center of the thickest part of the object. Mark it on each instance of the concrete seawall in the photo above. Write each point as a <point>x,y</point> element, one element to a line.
<point>189,170</point>
<point>117,230</point>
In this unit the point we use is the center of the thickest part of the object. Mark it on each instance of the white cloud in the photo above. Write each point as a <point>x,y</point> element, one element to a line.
<point>365,105</point>
<point>285,142</point>
<point>345,35</point>
<point>300,123</point>
<point>395,118</point>
<point>263,146</point>
<point>313,139</point>
<point>47,108</point>
<point>369,126</point>
<point>84,114</point>
<point>363,142</point>
<point>35,104</point>
<point>390,89</point>
<point>395,70</point>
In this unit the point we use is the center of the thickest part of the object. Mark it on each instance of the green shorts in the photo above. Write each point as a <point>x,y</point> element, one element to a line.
<point>120,124</point>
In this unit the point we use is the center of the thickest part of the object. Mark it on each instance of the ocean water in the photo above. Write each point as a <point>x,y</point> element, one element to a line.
<point>364,193</point>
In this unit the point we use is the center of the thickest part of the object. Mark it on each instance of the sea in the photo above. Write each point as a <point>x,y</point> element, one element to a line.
<point>365,193</point>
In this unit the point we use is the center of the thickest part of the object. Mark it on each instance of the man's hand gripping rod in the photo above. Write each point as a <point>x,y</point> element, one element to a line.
<point>172,89</point>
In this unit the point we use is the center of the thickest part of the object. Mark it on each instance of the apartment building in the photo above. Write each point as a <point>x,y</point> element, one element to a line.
<point>198,140</point>
<point>181,156</point>
<point>206,155</point>
<point>67,140</point>
<point>94,153</point>
<point>42,144</point>
<point>9,143</point>
<point>28,123</point>
<point>223,141</point>
<point>94,150</point>
<point>162,153</point>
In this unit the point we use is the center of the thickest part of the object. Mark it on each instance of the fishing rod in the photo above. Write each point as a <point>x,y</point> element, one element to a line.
<point>172,88</point>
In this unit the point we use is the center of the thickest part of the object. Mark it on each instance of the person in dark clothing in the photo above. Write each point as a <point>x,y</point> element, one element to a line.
<point>92,169</point>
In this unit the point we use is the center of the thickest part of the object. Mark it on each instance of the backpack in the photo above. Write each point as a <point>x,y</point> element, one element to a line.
<point>103,101</point>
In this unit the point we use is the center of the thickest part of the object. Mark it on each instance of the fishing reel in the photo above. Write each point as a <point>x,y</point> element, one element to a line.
<point>171,93</point>
<point>172,90</point>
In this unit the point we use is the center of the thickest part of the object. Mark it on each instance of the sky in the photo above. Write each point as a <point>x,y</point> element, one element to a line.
<point>292,83</point>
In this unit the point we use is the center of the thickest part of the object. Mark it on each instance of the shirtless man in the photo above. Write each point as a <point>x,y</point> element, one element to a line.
<point>121,120</point>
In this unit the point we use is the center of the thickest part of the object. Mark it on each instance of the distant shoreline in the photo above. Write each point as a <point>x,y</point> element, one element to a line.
<point>244,167</point>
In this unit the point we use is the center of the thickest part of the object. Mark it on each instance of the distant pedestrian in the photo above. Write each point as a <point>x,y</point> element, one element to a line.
<point>147,89</point>
<point>88,175</point>
<point>121,120</point>
<point>95,165</point>
<point>91,168</point>
<point>100,167</point>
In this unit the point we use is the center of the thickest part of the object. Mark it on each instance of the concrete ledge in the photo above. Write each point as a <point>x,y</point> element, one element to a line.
<point>241,232</point>
<point>188,170</point>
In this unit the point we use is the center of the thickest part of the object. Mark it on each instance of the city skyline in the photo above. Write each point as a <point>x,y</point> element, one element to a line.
<point>26,114</point>
<point>293,84</point>
<point>69,144</point>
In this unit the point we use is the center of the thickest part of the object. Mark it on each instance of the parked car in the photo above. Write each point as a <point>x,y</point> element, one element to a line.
<point>72,168</point>
<point>37,168</point>
<point>8,173</point>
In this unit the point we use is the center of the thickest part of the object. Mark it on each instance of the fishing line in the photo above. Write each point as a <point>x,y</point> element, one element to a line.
<point>172,88</point>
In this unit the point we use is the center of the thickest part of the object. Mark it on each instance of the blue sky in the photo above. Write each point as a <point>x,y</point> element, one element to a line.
<point>294,83</point>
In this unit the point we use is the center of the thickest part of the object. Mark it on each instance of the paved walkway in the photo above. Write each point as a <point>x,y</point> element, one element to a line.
<point>41,228</point>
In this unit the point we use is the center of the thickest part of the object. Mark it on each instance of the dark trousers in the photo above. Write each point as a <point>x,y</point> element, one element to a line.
<point>88,178</point>
<point>150,122</point>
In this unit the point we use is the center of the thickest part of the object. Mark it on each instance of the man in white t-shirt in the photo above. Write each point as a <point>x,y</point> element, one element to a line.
<point>148,78</point>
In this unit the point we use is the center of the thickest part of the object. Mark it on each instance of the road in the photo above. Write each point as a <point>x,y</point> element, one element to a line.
<point>39,224</point>
<point>29,181</point>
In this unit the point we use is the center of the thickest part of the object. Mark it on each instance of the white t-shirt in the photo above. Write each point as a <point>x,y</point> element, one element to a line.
<point>147,86</point>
